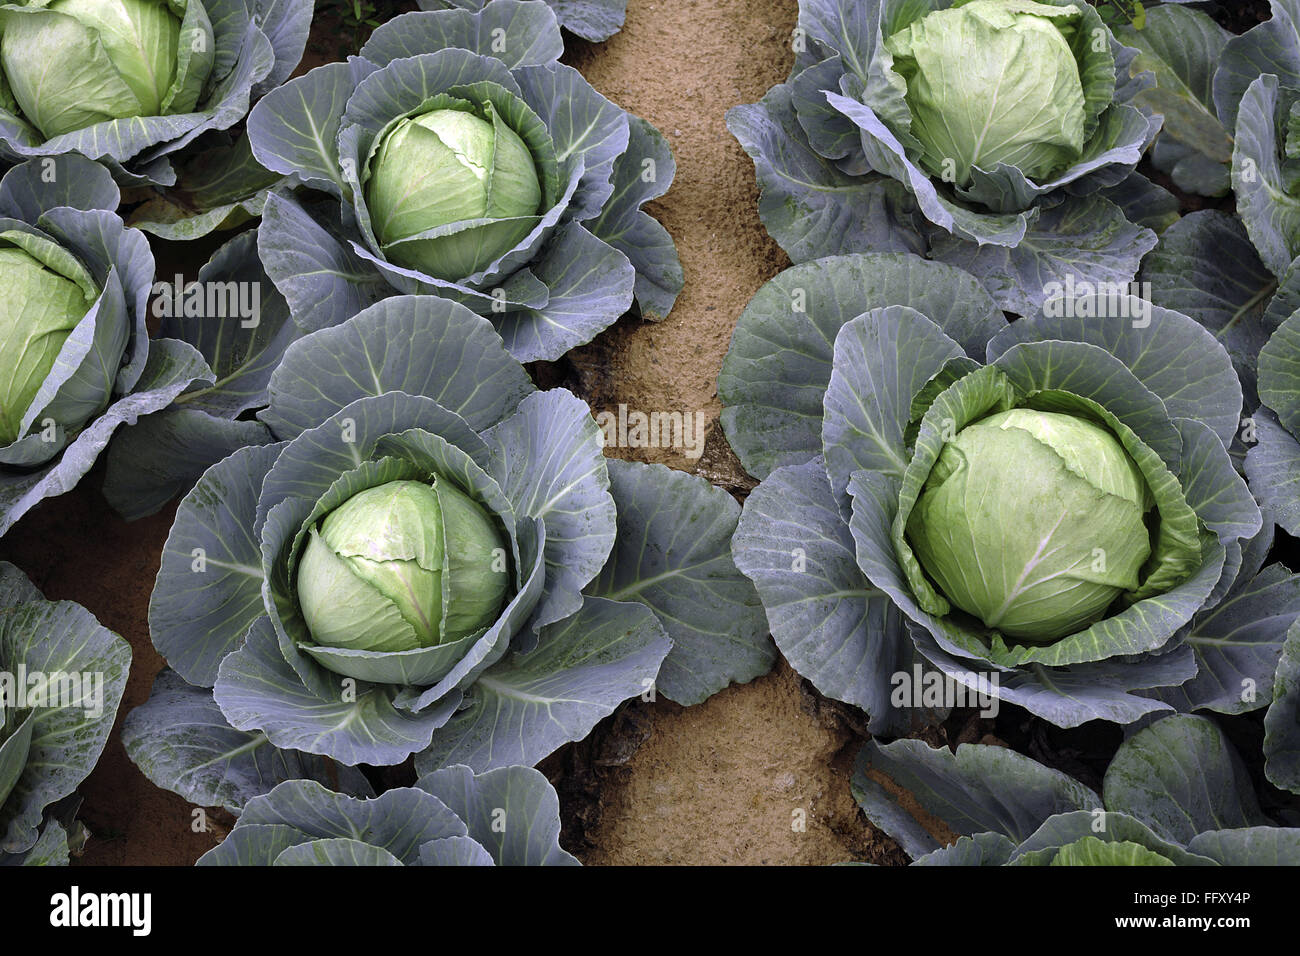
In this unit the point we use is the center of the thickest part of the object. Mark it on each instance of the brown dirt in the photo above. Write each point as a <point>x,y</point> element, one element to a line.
<point>719,783</point>
<point>755,775</point>
<point>682,65</point>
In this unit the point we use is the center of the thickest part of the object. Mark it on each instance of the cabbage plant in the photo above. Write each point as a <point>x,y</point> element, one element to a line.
<point>451,817</point>
<point>997,135</point>
<point>1273,462</point>
<point>1282,722</point>
<point>1046,510</point>
<point>1228,102</point>
<point>116,59</point>
<point>434,558</point>
<point>1176,793</point>
<point>50,744</point>
<point>131,82</point>
<point>1239,276</point>
<point>1182,48</point>
<point>1257,95</point>
<point>78,362</point>
<point>161,455</point>
<point>593,20</point>
<point>456,157</point>
<point>219,186</point>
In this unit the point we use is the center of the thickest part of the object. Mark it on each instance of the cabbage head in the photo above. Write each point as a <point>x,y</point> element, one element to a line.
<point>455,156</point>
<point>1045,511</point>
<point>133,83</point>
<point>999,136</point>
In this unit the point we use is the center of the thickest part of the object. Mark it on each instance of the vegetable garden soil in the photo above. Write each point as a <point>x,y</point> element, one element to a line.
<point>757,774</point>
<point>730,780</point>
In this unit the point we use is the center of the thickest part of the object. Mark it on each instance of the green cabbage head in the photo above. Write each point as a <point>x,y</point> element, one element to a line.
<point>403,565</point>
<point>1034,522</point>
<point>73,63</point>
<point>993,81</point>
<point>44,293</point>
<point>450,191</point>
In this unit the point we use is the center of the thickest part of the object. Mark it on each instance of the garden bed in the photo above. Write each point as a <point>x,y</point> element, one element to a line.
<point>757,774</point>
